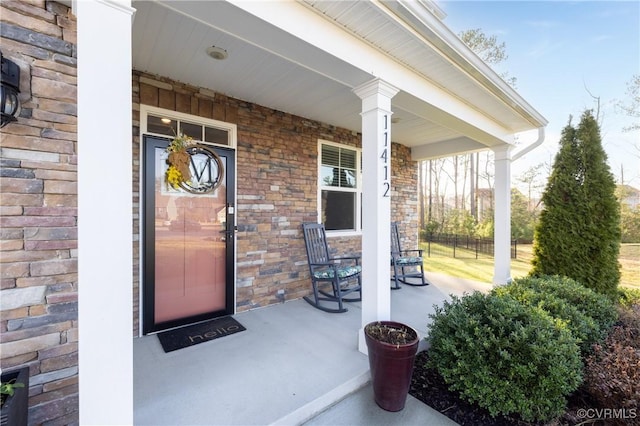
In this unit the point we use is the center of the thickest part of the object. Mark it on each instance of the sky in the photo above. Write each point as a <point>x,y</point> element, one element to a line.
<point>563,53</point>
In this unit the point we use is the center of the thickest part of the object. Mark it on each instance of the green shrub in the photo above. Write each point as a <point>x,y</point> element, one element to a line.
<point>505,356</point>
<point>628,296</point>
<point>596,305</point>
<point>550,294</point>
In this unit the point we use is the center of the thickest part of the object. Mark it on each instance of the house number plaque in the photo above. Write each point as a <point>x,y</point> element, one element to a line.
<point>386,185</point>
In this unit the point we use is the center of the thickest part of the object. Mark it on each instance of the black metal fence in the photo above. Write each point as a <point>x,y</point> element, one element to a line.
<point>463,246</point>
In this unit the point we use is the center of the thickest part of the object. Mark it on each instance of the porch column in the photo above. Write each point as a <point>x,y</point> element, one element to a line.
<point>502,215</point>
<point>376,202</point>
<point>105,232</point>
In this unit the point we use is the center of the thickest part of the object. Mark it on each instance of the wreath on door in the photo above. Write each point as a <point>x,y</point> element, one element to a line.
<point>178,174</point>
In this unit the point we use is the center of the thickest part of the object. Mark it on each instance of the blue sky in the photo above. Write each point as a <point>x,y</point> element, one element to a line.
<point>557,50</point>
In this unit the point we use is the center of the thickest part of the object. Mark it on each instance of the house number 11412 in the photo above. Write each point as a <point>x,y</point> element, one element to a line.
<point>386,185</point>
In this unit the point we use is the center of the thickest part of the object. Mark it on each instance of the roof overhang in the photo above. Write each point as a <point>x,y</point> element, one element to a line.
<point>305,58</point>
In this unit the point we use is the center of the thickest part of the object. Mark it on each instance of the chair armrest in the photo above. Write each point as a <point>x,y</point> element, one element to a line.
<point>322,264</point>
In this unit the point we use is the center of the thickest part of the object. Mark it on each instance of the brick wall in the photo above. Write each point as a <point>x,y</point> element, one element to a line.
<point>38,320</point>
<point>277,157</point>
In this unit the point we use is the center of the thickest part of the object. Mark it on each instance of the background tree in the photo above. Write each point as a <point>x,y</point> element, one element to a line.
<point>578,234</point>
<point>458,221</point>
<point>629,215</point>
<point>523,219</point>
<point>433,191</point>
<point>531,178</point>
<point>632,109</point>
<point>630,224</point>
<point>486,226</point>
<point>488,49</point>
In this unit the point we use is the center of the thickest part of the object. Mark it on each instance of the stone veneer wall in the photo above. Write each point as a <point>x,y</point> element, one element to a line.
<point>277,172</point>
<point>404,195</point>
<point>39,309</point>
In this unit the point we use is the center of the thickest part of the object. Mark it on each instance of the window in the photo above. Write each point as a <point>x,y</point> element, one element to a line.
<point>340,187</point>
<point>162,123</point>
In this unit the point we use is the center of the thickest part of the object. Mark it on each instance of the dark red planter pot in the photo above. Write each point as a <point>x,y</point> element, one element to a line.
<point>391,368</point>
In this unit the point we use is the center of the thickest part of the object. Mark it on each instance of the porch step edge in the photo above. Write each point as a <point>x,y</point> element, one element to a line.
<point>318,405</point>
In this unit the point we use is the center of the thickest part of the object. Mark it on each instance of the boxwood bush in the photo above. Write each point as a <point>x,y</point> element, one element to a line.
<point>504,356</point>
<point>596,305</point>
<point>581,325</point>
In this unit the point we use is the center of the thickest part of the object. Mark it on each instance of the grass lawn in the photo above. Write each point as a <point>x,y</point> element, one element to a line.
<point>481,269</point>
<point>630,265</point>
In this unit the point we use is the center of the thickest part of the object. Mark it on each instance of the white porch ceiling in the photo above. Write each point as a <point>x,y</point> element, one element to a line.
<point>271,67</point>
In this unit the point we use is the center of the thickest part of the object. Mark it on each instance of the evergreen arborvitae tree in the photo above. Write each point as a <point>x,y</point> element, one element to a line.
<point>578,234</point>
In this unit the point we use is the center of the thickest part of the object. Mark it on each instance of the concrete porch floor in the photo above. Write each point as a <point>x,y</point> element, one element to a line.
<point>293,365</point>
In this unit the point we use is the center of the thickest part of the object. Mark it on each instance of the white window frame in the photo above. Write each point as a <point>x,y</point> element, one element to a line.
<point>357,190</point>
<point>146,110</point>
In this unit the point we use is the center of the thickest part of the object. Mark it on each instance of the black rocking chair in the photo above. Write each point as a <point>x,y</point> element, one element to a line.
<point>339,276</point>
<point>406,263</point>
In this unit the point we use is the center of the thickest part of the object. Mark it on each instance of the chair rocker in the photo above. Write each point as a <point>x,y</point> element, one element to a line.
<point>406,263</point>
<point>332,278</point>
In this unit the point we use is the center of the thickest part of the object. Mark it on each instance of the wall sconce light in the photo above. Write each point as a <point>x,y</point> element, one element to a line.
<point>9,104</point>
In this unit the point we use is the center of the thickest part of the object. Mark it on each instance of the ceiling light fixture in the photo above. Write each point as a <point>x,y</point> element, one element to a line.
<point>217,53</point>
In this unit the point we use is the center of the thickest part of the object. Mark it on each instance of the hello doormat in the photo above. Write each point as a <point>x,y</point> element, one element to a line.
<point>198,333</point>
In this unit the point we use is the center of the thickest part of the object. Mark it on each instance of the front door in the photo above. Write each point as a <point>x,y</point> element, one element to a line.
<point>188,273</point>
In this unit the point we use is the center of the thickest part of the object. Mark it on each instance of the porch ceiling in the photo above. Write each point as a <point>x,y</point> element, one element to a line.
<point>271,66</point>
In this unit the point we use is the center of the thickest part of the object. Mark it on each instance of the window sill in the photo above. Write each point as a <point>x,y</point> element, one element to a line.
<point>332,234</point>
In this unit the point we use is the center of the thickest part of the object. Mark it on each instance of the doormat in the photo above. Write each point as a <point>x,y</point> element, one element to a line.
<point>198,333</point>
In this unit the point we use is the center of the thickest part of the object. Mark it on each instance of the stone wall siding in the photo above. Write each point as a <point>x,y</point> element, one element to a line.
<point>39,299</point>
<point>404,195</point>
<point>277,170</point>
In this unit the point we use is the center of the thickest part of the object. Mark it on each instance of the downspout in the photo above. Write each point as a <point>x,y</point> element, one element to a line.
<point>530,147</point>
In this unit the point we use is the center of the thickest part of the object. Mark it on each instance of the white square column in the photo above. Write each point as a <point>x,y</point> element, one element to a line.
<point>502,216</point>
<point>376,202</point>
<point>105,230</point>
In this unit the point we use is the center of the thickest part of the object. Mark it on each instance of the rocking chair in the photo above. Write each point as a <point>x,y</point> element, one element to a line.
<point>332,278</point>
<point>406,263</point>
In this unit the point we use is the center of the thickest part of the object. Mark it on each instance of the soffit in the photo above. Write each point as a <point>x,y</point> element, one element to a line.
<point>270,67</point>
<point>402,35</point>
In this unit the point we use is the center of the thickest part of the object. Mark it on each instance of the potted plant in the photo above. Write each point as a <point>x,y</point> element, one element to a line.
<point>14,392</point>
<point>392,348</point>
